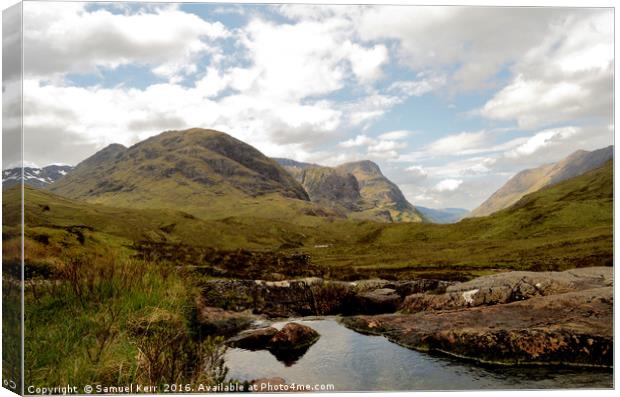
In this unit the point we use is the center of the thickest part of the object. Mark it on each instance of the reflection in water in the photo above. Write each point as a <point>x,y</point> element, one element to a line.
<point>289,357</point>
<point>356,362</point>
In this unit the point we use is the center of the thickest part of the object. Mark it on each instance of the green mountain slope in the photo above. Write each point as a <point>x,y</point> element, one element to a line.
<point>203,172</point>
<point>531,180</point>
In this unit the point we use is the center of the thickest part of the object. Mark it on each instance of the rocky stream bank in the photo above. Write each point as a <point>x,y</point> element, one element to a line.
<point>514,318</point>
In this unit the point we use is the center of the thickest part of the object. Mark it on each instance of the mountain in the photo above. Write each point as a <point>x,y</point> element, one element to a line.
<point>35,177</point>
<point>331,187</point>
<point>443,215</point>
<point>578,205</point>
<point>203,172</point>
<point>358,189</point>
<point>295,168</point>
<point>531,180</point>
<point>380,195</point>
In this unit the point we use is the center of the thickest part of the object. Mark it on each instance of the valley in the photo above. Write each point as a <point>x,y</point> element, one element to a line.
<point>226,236</point>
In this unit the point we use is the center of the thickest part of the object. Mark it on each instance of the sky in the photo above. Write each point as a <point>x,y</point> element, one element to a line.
<point>449,101</point>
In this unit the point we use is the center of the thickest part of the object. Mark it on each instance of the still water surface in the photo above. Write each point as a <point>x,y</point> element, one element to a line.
<point>355,362</point>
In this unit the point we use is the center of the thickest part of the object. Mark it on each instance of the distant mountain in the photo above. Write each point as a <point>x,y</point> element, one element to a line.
<point>331,187</point>
<point>35,177</point>
<point>295,168</point>
<point>531,180</point>
<point>443,215</point>
<point>358,189</point>
<point>381,194</point>
<point>203,172</point>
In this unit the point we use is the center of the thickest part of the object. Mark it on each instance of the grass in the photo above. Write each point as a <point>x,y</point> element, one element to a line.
<point>104,319</point>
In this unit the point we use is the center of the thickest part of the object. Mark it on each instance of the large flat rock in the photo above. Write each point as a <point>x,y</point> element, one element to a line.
<point>510,287</point>
<point>572,328</point>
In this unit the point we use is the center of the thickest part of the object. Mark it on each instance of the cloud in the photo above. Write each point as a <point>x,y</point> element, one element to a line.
<point>418,87</point>
<point>359,140</point>
<point>416,173</point>
<point>542,139</point>
<point>458,143</point>
<point>366,62</point>
<point>448,185</point>
<point>536,102</point>
<point>62,38</point>
<point>468,37</point>
<point>377,148</point>
<point>396,135</point>
<point>565,77</point>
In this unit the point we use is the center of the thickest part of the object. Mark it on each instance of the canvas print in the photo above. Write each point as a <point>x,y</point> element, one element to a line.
<point>204,197</point>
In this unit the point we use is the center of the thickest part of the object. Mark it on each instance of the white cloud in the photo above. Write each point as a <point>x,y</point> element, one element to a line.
<point>396,135</point>
<point>567,76</point>
<point>376,148</point>
<point>480,40</point>
<point>416,173</point>
<point>359,140</point>
<point>543,139</point>
<point>536,102</point>
<point>458,143</point>
<point>65,37</point>
<point>366,62</point>
<point>448,185</point>
<point>418,87</point>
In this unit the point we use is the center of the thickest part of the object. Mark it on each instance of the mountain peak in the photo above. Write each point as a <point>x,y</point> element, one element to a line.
<point>194,170</point>
<point>365,166</point>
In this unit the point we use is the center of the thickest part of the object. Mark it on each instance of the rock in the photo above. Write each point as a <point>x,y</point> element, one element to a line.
<point>292,342</point>
<point>510,287</point>
<point>312,296</point>
<point>572,328</point>
<point>253,339</point>
<point>286,298</point>
<point>382,300</point>
<point>293,336</point>
<point>405,288</point>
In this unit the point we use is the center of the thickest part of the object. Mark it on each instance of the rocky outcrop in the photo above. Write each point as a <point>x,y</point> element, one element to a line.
<point>382,300</point>
<point>518,318</point>
<point>313,296</point>
<point>510,287</point>
<point>332,188</point>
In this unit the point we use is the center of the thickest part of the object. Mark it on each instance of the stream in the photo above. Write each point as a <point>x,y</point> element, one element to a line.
<point>355,362</point>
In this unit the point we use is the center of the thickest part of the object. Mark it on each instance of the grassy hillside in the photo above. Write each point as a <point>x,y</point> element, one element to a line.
<point>529,181</point>
<point>566,225</point>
